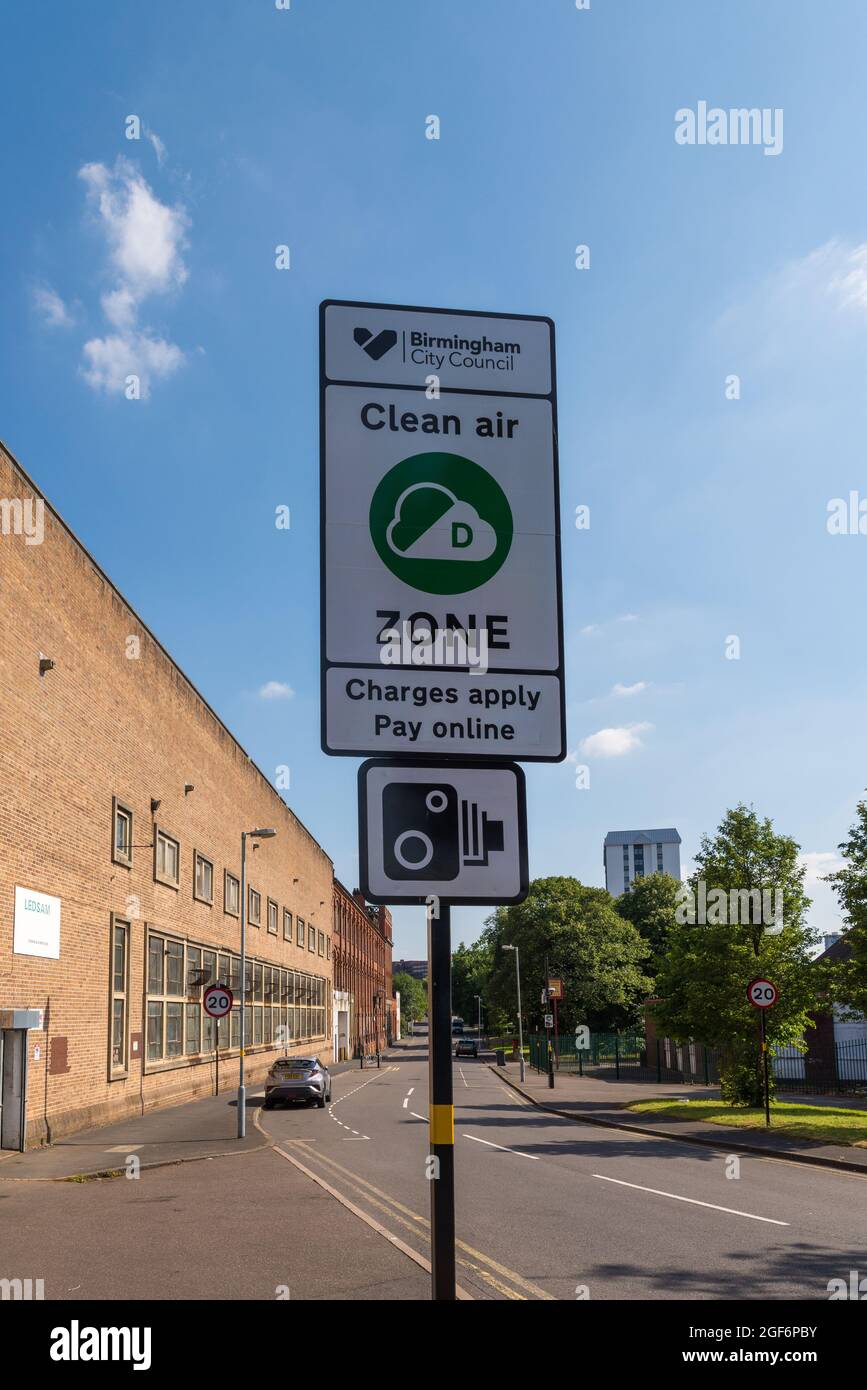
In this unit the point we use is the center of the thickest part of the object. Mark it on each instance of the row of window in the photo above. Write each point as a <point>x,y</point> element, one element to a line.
<point>167,870</point>
<point>281,1006</point>
<point>638,856</point>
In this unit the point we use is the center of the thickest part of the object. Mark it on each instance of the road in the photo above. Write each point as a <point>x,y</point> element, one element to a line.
<point>550,1209</point>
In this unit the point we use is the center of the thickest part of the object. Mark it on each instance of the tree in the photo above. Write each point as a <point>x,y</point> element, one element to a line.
<point>598,955</point>
<point>742,915</point>
<point>849,977</point>
<point>413,997</point>
<point>650,905</point>
<point>471,970</point>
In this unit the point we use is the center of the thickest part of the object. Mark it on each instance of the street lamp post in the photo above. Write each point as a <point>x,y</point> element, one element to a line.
<point>478,998</point>
<point>520,1027</point>
<point>242,1093</point>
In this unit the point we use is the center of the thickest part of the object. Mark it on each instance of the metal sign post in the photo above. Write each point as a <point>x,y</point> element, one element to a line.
<point>442,1111</point>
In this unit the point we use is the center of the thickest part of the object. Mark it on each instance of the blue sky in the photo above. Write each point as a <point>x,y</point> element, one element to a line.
<point>306,127</point>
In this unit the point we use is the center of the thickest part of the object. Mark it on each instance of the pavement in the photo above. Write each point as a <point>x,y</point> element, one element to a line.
<point>594,1100</point>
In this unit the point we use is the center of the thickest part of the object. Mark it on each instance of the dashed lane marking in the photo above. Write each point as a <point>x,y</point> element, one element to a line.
<point>378,1077</point>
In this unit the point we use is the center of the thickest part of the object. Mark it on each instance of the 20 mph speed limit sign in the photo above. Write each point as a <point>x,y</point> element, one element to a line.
<point>217,1001</point>
<point>762,994</point>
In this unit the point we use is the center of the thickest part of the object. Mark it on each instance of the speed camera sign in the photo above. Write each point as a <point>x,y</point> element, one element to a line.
<point>762,994</point>
<point>217,1001</point>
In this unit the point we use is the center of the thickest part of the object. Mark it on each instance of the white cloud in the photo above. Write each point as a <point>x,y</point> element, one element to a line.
<point>158,146</point>
<point>52,308</point>
<point>276,690</point>
<point>145,236</point>
<point>614,743</point>
<point>819,863</point>
<point>109,361</point>
<point>145,240</point>
<point>626,690</point>
<point>847,278</point>
<point>825,915</point>
<point>597,627</point>
<point>809,309</point>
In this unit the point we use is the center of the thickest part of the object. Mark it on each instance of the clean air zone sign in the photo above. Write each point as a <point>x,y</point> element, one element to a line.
<point>440,546</point>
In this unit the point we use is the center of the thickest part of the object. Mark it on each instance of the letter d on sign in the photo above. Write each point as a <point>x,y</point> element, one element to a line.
<point>457,542</point>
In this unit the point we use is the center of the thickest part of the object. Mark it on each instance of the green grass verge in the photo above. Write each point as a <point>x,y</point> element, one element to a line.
<point>832,1124</point>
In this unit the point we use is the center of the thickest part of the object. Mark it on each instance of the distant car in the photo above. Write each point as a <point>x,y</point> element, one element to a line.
<point>298,1078</point>
<point>467,1047</point>
<point>457,1027</point>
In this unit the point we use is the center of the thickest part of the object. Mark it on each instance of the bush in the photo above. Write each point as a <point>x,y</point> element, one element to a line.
<point>742,1080</point>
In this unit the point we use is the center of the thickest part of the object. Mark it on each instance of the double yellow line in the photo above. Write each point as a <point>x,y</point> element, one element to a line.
<point>506,1282</point>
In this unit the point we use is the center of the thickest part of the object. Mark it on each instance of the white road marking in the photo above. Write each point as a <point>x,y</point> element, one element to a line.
<point>423,1118</point>
<point>463,1078</point>
<point>517,1152</point>
<point>731,1211</point>
<point>410,1091</point>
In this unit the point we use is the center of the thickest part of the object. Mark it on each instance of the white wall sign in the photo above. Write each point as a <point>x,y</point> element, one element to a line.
<point>37,924</point>
<point>439,514</point>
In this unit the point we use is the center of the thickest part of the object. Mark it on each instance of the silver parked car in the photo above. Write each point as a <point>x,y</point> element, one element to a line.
<point>298,1078</point>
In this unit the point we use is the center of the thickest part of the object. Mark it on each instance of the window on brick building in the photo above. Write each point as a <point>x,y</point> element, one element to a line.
<point>321,943</point>
<point>121,851</point>
<point>167,859</point>
<point>119,990</point>
<point>328,948</point>
<point>231,894</point>
<point>273,916</point>
<point>254,908</point>
<point>311,937</point>
<point>300,932</point>
<point>203,879</point>
<point>287,924</point>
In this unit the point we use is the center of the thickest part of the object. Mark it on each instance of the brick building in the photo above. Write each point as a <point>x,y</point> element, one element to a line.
<point>361,960</point>
<point>122,801</point>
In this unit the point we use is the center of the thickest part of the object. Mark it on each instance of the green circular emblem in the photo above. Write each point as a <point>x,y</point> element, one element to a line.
<point>441,523</point>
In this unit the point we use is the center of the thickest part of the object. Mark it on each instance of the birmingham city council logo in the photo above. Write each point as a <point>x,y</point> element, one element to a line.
<point>441,523</point>
<point>375,347</point>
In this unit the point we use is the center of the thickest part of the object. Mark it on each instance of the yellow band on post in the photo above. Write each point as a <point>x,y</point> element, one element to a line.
<point>442,1124</point>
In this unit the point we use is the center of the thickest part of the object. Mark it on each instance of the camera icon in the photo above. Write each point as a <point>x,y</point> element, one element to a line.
<point>430,832</point>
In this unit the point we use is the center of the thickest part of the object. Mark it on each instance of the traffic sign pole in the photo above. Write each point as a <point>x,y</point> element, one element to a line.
<point>765,1069</point>
<point>442,1111</point>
